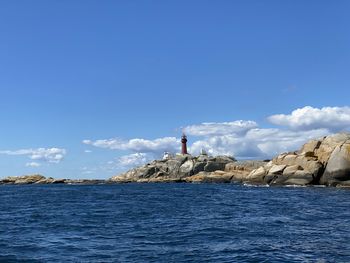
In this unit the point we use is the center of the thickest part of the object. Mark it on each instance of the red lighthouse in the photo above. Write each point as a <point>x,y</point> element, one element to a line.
<point>184,144</point>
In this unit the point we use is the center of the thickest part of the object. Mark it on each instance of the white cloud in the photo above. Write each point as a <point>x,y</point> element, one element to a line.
<point>135,159</point>
<point>50,155</point>
<point>87,172</point>
<point>33,164</point>
<point>87,151</point>
<point>226,145</point>
<point>257,143</point>
<point>126,162</point>
<point>309,118</point>
<point>239,127</point>
<point>159,145</point>
<point>275,141</point>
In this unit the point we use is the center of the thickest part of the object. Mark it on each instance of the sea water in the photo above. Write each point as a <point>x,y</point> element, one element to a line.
<point>173,223</point>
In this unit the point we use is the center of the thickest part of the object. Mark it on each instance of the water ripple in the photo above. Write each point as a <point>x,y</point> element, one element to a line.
<point>173,223</point>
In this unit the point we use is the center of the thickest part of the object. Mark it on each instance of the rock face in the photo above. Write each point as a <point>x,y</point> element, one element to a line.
<point>175,169</point>
<point>324,161</point>
<point>212,177</point>
<point>338,166</point>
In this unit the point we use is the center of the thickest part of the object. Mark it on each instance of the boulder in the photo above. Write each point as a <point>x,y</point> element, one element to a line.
<point>328,144</point>
<point>242,169</point>
<point>212,166</point>
<point>289,159</point>
<point>199,166</point>
<point>292,177</point>
<point>277,169</point>
<point>289,170</point>
<point>279,159</point>
<point>311,146</point>
<point>180,158</point>
<point>257,175</point>
<point>338,166</point>
<point>214,177</point>
<point>343,184</point>
<point>270,178</point>
<point>186,169</point>
<point>260,172</point>
<point>173,165</point>
<point>244,166</point>
<point>59,181</point>
<point>223,159</point>
<point>297,181</point>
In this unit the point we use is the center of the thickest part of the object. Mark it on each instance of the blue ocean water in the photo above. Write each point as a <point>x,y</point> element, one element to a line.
<point>173,223</point>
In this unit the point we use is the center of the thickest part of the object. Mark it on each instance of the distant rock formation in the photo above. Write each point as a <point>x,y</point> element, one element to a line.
<point>325,161</point>
<point>39,179</point>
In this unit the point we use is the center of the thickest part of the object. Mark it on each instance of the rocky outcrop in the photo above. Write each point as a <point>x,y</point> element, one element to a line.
<point>233,172</point>
<point>175,169</point>
<point>39,179</point>
<point>324,161</point>
<point>210,177</point>
<point>26,179</point>
<point>242,169</point>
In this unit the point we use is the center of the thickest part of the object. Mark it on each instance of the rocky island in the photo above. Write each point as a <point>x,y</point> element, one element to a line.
<point>325,161</point>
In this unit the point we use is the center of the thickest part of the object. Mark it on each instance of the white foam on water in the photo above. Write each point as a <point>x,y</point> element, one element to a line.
<point>255,185</point>
<point>295,185</point>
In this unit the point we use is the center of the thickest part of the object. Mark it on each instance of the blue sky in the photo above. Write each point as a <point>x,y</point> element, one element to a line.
<point>115,71</point>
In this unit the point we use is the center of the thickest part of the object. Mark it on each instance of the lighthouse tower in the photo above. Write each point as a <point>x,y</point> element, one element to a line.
<point>184,144</point>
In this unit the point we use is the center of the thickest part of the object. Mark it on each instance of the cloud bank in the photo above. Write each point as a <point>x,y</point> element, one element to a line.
<point>243,139</point>
<point>33,164</point>
<point>48,155</point>
<point>220,128</point>
<point>256,143</point>
<point>309,118</point>
<point>138,145</point>
<point>135,159</point>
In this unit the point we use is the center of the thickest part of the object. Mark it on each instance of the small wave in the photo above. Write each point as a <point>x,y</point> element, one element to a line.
<point>255,185</point>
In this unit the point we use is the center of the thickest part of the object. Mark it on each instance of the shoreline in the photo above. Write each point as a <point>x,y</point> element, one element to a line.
<point>91,182</point>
